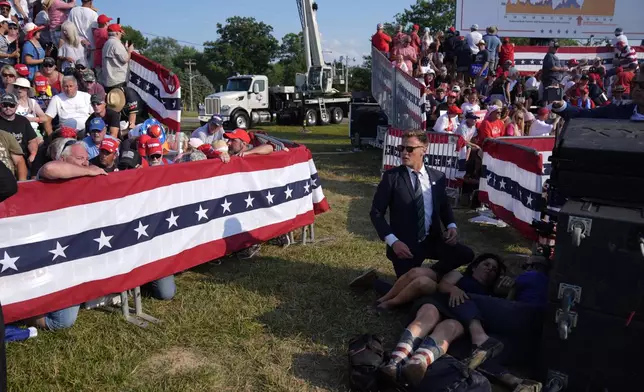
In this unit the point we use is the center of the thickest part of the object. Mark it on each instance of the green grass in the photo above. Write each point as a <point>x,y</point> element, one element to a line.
<point>277,323</point>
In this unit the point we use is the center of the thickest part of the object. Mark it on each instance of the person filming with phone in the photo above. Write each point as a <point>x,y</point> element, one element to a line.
<point>116,57</point>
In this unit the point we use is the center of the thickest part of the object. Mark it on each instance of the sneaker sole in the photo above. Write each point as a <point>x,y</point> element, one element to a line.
<point>414,373</point>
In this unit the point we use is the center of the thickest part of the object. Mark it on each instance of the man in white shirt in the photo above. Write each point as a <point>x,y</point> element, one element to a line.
<point>473,38</point>
<point>85,20</point>
<point>72,107</point>
<point>116,58</point>
<point>448,122</point>
<point>542,126</point>
<point>211,131</point>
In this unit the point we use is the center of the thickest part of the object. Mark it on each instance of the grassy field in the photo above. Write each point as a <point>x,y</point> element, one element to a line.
<point>279,322</point>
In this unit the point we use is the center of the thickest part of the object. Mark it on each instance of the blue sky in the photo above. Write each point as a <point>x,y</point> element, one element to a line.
<point>346,25</point>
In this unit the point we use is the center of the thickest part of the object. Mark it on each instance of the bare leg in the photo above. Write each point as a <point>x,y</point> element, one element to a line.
<point>432,348</point>
<point>406,279</point>
<point>478,333</point>
<point>422,285</point>
<point>426,319</point>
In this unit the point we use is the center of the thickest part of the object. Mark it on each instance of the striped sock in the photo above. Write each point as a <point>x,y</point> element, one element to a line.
<point>406,345</point>
<point>427,353</point>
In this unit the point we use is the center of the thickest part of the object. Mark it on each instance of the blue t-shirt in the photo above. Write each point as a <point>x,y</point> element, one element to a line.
<point>532,288</point>
<point>35,53</point>
<point>492,44</point>
<point>91,147</point>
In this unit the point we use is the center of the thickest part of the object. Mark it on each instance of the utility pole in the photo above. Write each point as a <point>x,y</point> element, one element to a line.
<point>190,63</point>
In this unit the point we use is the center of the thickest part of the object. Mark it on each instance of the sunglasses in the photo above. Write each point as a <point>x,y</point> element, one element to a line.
<point>97,103</point>
<point>47,65</point>
<point>9,105</point>
<point>4,75</point>
<point>155,157</point>
<point>409,149</point>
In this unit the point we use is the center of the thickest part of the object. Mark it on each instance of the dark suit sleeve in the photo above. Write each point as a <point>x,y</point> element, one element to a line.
<point>446,213</point>
<point>8,183</point>
<point>380,204</point>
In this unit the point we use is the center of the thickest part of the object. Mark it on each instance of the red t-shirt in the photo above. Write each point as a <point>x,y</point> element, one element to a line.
<point>381,41</point>
<point>625,79</point>
<point>100,37</point>
<point>491,129</point>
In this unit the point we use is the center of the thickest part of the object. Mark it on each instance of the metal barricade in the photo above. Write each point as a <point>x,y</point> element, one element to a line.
<point>382,82</point>
<point>447,154</point>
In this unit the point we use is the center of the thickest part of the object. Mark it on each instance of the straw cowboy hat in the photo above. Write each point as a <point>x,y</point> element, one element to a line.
<point>116,99</point>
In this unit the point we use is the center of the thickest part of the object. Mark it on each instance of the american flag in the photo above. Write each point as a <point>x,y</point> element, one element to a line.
<point>65,243</point>
<point>514,172</point>
<point>529,59</point>
<point>159,88</point>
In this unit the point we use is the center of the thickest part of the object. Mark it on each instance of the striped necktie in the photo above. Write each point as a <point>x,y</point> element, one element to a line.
<point>420,208</point>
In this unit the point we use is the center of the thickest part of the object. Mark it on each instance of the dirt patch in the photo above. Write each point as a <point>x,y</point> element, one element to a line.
<point>176,360</point>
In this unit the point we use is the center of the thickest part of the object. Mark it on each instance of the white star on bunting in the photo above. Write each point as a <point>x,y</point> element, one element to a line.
<point>226,205</point>
<point>172,220</point>
<point>104,240</point>
<point>59,251</point>
<point>529,200</point>
<point>314,182</point>
<point>288,192</point>
<point>307,187</point>
<point>8,262</point>
<point>249,201</point>
<point>270,197</point>
<point>141,230</point>
<point>502,184</point>
<point>201,213</point>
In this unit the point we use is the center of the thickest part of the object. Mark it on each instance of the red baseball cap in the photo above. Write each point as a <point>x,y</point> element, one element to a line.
<point>115,28</point>
<point>238,134</point>
<point>153,147</point>
<point>67,132</point>
<point>22,70</point>
<point>542,111</point>
<point>453,109</point>
<point>102,19</point>
<point>41,84</point>
<point>109,145</point>
<point>5,4</point>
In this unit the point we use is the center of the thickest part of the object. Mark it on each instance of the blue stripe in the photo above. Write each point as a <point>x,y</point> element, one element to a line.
<point>143,84</point>
<point>547,169</point>
<point>82,245</point>
<point>514,189</point>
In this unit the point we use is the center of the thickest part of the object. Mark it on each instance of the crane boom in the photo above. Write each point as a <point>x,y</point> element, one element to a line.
<point>311,33</point>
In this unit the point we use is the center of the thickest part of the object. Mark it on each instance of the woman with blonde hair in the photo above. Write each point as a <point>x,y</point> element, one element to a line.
<point>516,127</point>
<point>71,51</point>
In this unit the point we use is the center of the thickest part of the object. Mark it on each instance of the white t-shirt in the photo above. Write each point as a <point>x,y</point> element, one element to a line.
<point>76,53</point>
<point>467,132</point>
<point>540,128</point>
<point>71,111</point>
<point>445,124</point>
<point>473,38</point>
<point>85,19</point>
<point>532,84</point>
<point>470,107</point>
<point>202,134</point>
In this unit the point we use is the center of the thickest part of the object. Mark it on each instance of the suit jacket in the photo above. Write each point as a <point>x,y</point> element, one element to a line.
<point>396,193</point>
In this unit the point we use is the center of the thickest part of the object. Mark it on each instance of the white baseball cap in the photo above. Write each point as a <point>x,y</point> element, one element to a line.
<point>474,27</point>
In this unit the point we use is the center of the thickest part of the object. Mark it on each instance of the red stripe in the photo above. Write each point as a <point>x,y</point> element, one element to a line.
<point>159,269</point>
<point>321,207</point>
<point>528,160</point>
<point>540,144</point>
<point>571,49</point>
<point>167,121</point>
<point>30,200</point>
<point>508,217</point>
<point>161,72</point>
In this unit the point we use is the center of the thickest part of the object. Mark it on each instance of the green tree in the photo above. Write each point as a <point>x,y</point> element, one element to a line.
<point>438,15</point>
<point>360,79</point>
<point>136,37</point>
<point>292,61</point>
<point>244,45</point>
<point>201,88</point>
<point>163,51</point>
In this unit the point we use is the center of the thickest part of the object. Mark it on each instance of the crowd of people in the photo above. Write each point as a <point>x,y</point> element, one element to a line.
<point>66,111</point>
<point>473,89</point>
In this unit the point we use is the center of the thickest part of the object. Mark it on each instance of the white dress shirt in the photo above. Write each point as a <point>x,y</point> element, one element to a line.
<point>426,186</point>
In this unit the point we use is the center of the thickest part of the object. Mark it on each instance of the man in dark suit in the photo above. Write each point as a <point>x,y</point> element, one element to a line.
<point>418,204</point>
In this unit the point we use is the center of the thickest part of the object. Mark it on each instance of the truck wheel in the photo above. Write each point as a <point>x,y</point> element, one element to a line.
<point>337,115</point>
<point>241,120</point>
<point>323,115</point>
<point>311,117</point>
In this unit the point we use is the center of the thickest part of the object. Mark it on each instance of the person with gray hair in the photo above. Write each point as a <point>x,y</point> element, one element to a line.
<point>72,107</point>
<point>72,162</point>
<point>116,57</point>
<point>55,149</point>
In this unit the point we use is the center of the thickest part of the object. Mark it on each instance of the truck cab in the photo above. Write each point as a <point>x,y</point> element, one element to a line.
<point>243,102</point>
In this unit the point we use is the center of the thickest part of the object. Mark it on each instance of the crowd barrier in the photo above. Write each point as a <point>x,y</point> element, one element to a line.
<point>398,94</point>
<point>64,243</point>
<point>514,172</point>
